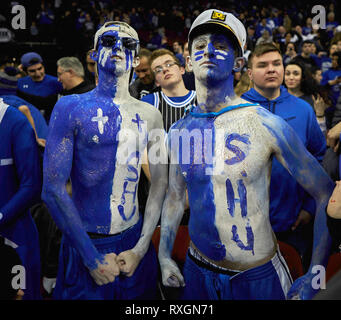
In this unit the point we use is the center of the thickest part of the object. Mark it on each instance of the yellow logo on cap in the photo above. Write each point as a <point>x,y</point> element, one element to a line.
<point>218,16</point>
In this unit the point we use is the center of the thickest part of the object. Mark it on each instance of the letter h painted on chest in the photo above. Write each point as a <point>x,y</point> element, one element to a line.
<point>231,200</point>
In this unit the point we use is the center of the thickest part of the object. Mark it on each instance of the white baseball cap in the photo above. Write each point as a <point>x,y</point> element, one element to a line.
<point>118,26</point>
<point>225,20</point>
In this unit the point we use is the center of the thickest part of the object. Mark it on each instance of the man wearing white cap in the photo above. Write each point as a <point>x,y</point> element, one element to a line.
<point>221,151</point>
<point>97,139</point>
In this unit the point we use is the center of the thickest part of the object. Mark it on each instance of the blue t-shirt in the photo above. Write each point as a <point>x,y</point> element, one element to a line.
<point>328,75</point>
<point>48,86</point>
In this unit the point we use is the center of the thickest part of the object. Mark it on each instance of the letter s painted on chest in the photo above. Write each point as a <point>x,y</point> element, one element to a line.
<point>239,154</point>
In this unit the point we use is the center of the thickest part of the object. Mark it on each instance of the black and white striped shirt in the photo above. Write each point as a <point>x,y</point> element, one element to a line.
<point>172,108</point>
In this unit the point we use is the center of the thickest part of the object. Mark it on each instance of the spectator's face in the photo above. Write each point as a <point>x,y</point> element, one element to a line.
<point>293,76</point>
<point>288,37</point>
<point>212,57</point>
<point>266,34</point>
<point>318,76</point>
<point>281,29</point>
<point>338,44</point>
<point>335,62</point>
<point>64,76</point>
<point>166,76</point>
<point>267,71</point>
<point>313,48</point>
<point>186,51</point>
<point>36,72</point>
<point>113,55</point>
<point>333,49</point>
<point>144,72</point>
<point>250,31</point>
<point>290,47</point>
<point>176,47</point>
<point>306,48</point>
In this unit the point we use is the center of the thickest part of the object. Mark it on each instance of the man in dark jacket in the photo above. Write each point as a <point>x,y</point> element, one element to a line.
<point>70,73</point>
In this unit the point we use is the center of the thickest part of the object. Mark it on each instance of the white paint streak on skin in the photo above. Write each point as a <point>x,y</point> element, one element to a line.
<point>222,55</point>
<point>127,145</point>
<point>104,55</point>
<point>100,120</point>
<point>95,139</point>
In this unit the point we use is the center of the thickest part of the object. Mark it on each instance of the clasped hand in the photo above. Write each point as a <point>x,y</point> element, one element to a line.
<point>126,262</point>
<point>171,275</point>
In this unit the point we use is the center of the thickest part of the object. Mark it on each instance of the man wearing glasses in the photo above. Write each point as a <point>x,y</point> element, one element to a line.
<point>97,139</point>
<point>71,74</point>
<point>174,97</point>
<point>38,88</point>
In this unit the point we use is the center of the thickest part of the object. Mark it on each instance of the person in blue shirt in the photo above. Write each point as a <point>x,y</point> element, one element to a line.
<point>38,88</point>
<point>261,26</point>
<point>8,89</point>
<point>291,208</point>
<point>332,77</point>
<point>20,185</point>
<point>326,60</point>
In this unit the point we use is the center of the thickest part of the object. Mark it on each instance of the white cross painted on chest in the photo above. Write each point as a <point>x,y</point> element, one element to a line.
<point>100,119</point>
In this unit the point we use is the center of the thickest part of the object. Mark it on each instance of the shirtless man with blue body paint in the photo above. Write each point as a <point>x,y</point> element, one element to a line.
<point>97,139</point>
<point>221,151</point>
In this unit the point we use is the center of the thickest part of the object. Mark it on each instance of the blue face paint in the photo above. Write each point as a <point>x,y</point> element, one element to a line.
<point>213,61</point>
<point>108,64</point>
<point>199,55</point>
<point>223,59</point>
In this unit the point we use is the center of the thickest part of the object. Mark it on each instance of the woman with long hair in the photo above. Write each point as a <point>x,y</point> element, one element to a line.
<point>300,83</point>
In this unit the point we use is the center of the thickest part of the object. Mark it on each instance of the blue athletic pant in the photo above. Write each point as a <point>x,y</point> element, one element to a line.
<point>270,281</point>
<point>75,282</point>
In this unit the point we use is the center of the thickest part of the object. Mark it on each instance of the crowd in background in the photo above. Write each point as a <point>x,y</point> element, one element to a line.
<point>72,24</point>
<point>314,51</point>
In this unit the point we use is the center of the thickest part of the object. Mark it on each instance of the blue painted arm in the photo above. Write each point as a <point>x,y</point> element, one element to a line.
<point>292,154</point>
<point>317,146</point>
<point>58,159</point>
